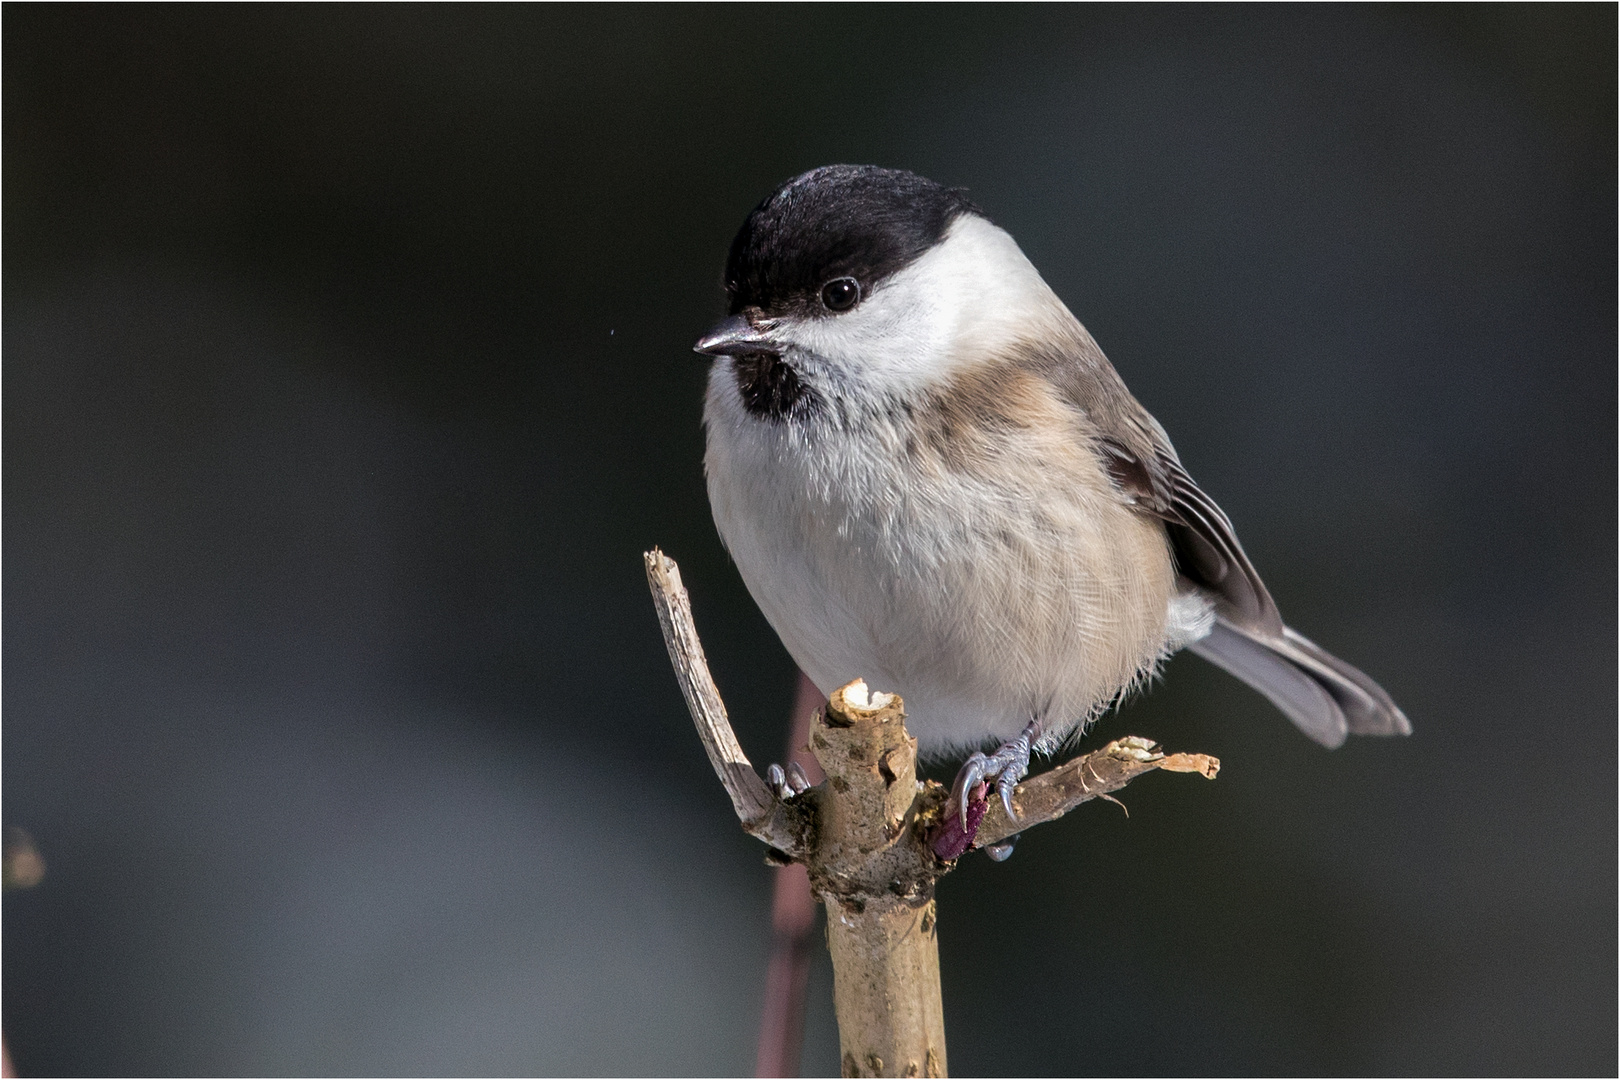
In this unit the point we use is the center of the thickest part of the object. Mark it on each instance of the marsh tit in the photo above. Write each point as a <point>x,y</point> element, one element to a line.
<point>930,476</point>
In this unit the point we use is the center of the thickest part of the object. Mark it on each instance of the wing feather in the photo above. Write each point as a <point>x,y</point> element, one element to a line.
<point>1322,694</point>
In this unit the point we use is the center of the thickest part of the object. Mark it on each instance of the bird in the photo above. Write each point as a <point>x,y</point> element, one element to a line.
<point>929,476</point>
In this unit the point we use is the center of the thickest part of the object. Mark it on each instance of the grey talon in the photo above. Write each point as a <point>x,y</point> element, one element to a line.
<point>797,780</point>
<point>1005,785</point>
<point>777,779</point>
<point>967,778</point>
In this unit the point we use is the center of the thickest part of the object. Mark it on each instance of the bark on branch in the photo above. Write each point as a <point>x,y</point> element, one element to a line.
<point>1054,793</point>
<point>869,834</point>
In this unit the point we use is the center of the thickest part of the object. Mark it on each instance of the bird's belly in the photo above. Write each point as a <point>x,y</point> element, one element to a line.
<point>985,600</point>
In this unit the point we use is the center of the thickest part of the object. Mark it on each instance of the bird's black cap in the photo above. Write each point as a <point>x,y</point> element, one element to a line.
<point>856,221</point>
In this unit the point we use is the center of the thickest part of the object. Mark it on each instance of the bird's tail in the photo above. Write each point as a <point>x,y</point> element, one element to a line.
<point>1322,694</point>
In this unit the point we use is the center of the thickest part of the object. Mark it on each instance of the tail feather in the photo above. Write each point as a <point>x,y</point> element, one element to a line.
<point>1376,712</point>
<point>1326,697</point>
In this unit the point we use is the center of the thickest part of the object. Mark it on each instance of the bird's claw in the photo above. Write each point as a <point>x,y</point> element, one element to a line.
<point>789,783</point>
<point>968,777</point>
<point>1006,767</point>
<point>1002,850</point>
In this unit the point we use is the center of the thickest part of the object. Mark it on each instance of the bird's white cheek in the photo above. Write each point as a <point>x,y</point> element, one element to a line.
<point>973,299</point>
<point>894,342</point>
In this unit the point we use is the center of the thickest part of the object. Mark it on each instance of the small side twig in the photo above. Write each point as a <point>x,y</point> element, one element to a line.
<point>1091,776</point>
<point>761,814</point>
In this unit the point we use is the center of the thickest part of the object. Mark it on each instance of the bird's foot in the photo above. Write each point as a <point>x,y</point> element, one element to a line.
<point>1006,767</point>
<point>969,798</point>
<point>787,784</point>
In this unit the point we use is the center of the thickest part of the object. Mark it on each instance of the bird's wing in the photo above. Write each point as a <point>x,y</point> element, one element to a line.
<point>1326,697</point>
<point>1207,550</point>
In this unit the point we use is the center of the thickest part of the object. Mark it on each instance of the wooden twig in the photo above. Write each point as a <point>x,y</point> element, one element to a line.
<point>760,812</point>
<point>873,871</point>
<point>868,838</point>
<point>1055,792</point>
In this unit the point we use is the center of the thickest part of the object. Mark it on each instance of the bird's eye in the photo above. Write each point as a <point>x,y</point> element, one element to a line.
<point>841,294</point>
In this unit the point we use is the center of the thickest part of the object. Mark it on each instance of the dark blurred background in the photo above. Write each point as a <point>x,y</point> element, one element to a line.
<point>347,375</point>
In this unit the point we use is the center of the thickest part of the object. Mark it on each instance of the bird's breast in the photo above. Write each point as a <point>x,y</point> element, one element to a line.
<point>968,553</point>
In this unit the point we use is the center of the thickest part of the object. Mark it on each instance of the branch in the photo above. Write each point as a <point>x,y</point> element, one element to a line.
<point>760,812</point>
<point>874,840</point>
<point>1054,793</point>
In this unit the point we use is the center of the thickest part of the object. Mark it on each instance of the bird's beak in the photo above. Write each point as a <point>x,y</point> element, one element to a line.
<point>732,336</point>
